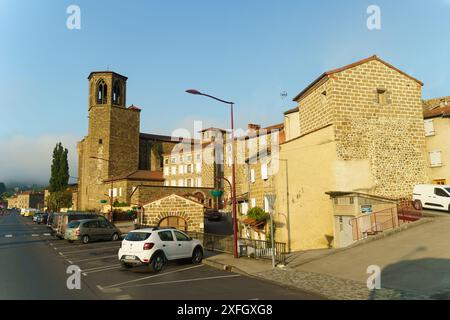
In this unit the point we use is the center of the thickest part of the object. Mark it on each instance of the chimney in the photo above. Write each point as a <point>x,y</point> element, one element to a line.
<point>252,126</point>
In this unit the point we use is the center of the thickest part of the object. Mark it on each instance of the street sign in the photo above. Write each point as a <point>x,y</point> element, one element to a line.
<point>103,201</point>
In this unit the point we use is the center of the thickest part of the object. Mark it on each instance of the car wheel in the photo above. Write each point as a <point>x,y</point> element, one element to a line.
<point>115,237</point>
<point>85,239</point>
<point>125,265</point>
<point>417,204</point>
<point>157,263</point>
<point>197,256</point>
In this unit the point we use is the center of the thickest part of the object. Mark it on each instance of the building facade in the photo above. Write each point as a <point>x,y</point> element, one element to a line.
<point>360,129</point>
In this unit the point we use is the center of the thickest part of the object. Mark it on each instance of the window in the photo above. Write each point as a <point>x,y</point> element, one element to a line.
<point>198,167</point>
<point>174,160</point>
<point>189,168</point>
<point>252,175</point>
<point>435,159</point>
<point>253,202</point>
<point>166,161</point>
<point>429,127</point>
<point>199,182</point>
<point>137,236</point>
<point>103,224</point>
<point>165,235</point>
<point>244,207</point>
<point>189,158</point>
<point>266,204</point>
<point>102,92</point>
<point>174,170</point>
<point>181,236</point>
<point>117,96</point>
<point>198,156</point>
<point>166,171</point>
<point>441,193</point>
<point>188,182</point>
<point>381,96</point>
<point>180,169</point>
<point>264,172</point>
<point>100,141</point>
<point>441,182</point>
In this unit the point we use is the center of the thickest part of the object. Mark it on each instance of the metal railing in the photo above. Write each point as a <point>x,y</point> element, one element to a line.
<point>374,223</point>
<point>250,248</point>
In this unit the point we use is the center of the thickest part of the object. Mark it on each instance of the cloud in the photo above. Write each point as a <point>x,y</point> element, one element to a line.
<point>28,159</point>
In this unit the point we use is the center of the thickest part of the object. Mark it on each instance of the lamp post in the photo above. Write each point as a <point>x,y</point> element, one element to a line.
<point>233,165</point>
<point>112,191</point>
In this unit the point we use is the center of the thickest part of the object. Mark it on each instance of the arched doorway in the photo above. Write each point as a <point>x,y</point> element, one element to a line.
<point>173,221</point>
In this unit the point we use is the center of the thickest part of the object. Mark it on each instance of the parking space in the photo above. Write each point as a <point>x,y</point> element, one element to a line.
<point>104,278</point>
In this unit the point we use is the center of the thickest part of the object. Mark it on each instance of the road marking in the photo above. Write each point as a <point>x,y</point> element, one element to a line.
<point>35,235</point>
<point>47,234</point>
<point>101,267</point>
<point>8,235</point>
<point>123,297</point>
<point>98,258</point>
<point>108,290</point>
<point>100,270</point>
<point>179,281</point>
<point>69,261</point>
<point>93,249</point>
<point>149,277</point>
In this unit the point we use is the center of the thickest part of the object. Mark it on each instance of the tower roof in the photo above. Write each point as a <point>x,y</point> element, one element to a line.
<point>109,72</point>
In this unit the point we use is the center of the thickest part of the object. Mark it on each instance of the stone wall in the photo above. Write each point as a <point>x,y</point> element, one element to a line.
<point>175,206</point>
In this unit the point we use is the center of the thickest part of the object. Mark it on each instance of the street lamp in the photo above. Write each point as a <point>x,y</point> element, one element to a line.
<point>233,165</point>
<point>111,195</point>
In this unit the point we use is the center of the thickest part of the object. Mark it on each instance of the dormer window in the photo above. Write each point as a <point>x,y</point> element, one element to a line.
<point>102,92</point>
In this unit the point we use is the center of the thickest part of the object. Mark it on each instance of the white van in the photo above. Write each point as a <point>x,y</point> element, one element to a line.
<point>432,196</point>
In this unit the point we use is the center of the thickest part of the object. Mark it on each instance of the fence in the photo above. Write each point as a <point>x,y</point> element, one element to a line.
<point>407,212</point>
<point>372,224</point>
<point>251,248</point>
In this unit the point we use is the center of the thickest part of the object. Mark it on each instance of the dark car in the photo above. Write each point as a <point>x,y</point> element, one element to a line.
<point>42,218</point>
<point>214,216</point>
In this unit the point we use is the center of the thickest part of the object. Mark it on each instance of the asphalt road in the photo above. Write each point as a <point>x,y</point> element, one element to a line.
<point>33,265</point>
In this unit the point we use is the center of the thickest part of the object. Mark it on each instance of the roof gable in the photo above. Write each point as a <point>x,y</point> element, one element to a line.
<point>173,195</point>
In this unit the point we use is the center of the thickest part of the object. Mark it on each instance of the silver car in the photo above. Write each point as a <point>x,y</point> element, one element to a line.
<point>88,230</point>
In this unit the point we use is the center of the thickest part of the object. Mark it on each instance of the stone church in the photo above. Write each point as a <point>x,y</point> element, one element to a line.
<point>116,161</point>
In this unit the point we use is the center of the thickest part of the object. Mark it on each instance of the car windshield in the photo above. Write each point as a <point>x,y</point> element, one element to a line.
<point>73,224</point>
<point>137,236</point>
<point>448,190</point>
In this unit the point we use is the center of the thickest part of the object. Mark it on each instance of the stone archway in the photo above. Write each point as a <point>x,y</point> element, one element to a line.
<point>174,221</point>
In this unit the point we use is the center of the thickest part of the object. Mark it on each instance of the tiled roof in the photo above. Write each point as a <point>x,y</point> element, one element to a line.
<point>158,137</point>
<point>111,72</point>
<point>291,110</point>
<point>141,175</point>
<point>437,112</point>
<point>352,65</point>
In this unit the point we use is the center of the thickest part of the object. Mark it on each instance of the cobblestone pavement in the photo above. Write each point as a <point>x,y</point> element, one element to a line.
<point>334,288</point>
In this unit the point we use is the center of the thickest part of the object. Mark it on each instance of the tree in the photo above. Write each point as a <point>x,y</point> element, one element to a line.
<point>59,196</point>
<point>59,199</point>
<point>59,178</point>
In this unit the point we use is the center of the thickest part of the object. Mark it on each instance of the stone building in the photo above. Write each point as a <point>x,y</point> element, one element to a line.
<point>27,200</point>
<point>115,158</point>
<point>359,129</point>
<point>175,211</point>
<point>437,132</point>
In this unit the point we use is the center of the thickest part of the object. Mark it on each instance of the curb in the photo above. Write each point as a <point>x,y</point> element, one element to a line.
<point>224,267</point>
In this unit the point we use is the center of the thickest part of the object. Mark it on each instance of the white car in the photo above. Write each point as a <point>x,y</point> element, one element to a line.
<point>431,196</point>
<point>155,246</point>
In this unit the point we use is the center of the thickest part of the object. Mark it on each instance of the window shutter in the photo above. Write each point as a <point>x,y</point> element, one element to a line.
<point>252,175</point>
<point>199,182</point>
<point>166,171</point>
<point>429,127</point>
<point>244,207</point>
<point>436,159</point>
<point>174,170</point>
<point>253,202</point>
<point>266,204</point>
<point>264,172</point>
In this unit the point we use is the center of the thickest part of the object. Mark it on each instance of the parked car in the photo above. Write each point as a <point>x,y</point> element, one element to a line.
<point>42,218</point>
<point>432,196</point>
<point>155,246</point>
<point>61,220</point>
<point>214,216</point>
<point>36,216</point>
<point>87,230</point>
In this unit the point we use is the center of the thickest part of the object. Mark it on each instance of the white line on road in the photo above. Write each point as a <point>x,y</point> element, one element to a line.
<point>47,235</point>
<point>98,258</point>
<point>35,235</point>
<point>153,276</point>
<point>8,235</point>
<point>178,281</point>
<point>101,267</point>
<point>100,270</point>
<point>94,249</point>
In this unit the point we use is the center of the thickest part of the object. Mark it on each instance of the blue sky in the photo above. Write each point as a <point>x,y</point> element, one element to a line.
<point>245,51</point>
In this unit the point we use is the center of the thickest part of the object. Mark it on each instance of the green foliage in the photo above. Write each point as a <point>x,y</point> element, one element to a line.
<point>59,199</point>
<point>118,204</point>
<point>257,213</point>
<point>59,178</point>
